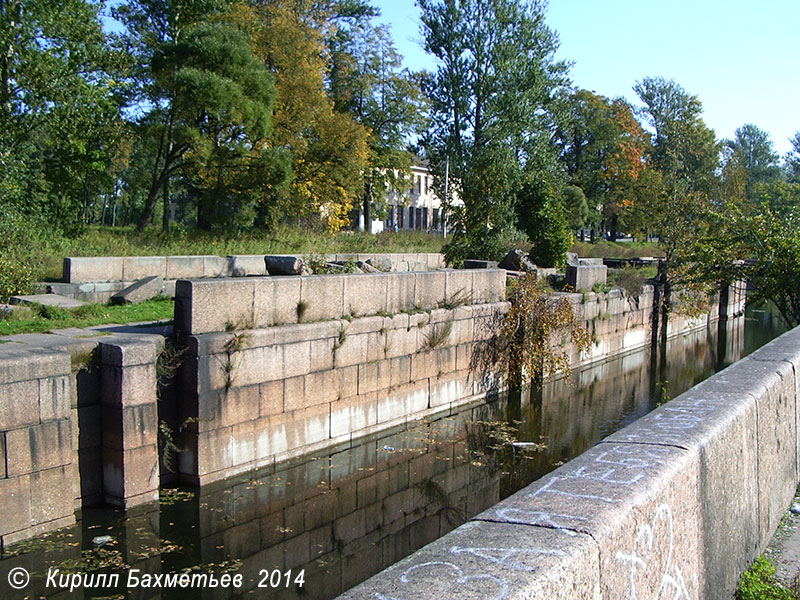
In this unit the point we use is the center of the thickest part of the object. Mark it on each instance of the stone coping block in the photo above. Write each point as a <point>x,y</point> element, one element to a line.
<point>86,269</point>
<point>130,350</point>
<point>144,289</point>
<point>492,561</point>
<point>48,300</point>
<point>139,267</point>
<point>133,268</point>
<point>24,363</point>
<point>584,277</point>
<point>228,304</point>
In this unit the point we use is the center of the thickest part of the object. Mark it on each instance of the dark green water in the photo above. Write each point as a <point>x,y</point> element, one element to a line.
<point>331,520</point>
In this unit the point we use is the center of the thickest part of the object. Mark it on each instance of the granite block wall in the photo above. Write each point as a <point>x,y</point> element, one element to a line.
<point>677,504</point>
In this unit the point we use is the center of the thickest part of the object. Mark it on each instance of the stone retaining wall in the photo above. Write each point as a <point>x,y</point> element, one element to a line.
<point>324,359</point>
<point>253,398</point>
<point>132,268</point>
<point>675,505</point>
<point>620,323</point>
<point>37,462</point>
<point>78,426</point>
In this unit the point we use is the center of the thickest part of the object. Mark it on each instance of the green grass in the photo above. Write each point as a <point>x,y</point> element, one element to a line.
<point>606,249</point>
<point>39,318</point>
<point>759,583</point>
<point>124,241</point>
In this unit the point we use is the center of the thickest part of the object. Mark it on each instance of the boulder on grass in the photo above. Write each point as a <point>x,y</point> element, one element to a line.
<point>517,260</point>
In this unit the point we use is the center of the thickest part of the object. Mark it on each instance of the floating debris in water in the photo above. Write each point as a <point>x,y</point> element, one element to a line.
<point>101,540</point>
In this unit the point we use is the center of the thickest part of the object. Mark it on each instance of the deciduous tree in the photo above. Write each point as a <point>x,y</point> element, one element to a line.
<point>490,95</point>
<point>686,155</point>
<point>368,82</point>
<point>328,148</point>
<point>58,107</point>
<point>753,151</point>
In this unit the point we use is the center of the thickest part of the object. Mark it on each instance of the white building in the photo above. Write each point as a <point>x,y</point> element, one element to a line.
<point>418,207</point>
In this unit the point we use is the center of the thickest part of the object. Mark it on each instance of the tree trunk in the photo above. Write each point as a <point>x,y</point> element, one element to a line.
<point>206,210</point>
<point>149,205</point>
<point>165,217</point>
<point>613,228</point>
<point>368,207</point>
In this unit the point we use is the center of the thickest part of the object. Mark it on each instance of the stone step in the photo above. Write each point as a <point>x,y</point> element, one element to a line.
<point>48,300</point>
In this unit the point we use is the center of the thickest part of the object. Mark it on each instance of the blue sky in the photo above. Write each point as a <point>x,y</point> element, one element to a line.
<point>742,59</point>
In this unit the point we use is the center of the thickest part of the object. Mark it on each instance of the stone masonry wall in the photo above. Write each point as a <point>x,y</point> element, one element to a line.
<point>78,426</point>
<point>674,505</point>
<point>252,397</point>
<point>620,323</point>
<point>330,358</point>
<point>37,462</point>
<point>212,305</point>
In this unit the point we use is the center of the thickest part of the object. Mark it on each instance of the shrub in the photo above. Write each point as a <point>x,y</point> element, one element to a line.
<point>542,216</point>
<point>16,277</point>
<point>629,279</point>
<point>535,315</point>
<point>491,245</point>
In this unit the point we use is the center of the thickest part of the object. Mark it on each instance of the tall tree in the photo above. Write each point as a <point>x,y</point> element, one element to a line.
<point>753,150</point>
<point>208,104</point>
<point>151,26</point>
<point>686,156</point>
<point>58,106</point>
<point>489,97</point>
<point>685,150</point>
<point>603,149</point>
<point>792,159</point>
<point>328,148</point>
<point>368,81</point>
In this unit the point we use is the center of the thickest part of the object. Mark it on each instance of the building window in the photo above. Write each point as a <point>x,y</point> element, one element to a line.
<point>436,219</point>
<point>401,211</point>
<point>425,218</point>
<point>411,217</point>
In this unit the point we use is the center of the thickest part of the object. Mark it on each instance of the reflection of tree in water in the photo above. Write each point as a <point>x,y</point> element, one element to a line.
<point>437,496</point>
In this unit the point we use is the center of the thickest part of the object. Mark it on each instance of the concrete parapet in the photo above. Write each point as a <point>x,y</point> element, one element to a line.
<point>676,504</point>
<point>212,305</point>
<point>133,268</point>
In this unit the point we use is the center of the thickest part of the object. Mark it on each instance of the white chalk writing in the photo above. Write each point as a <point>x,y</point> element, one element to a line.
<point>653,571</point>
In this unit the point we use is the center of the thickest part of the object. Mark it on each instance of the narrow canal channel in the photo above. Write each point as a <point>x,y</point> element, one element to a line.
<point>315,527</point>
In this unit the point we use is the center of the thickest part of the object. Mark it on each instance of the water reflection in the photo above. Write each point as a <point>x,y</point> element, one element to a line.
<point>341,516</point>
